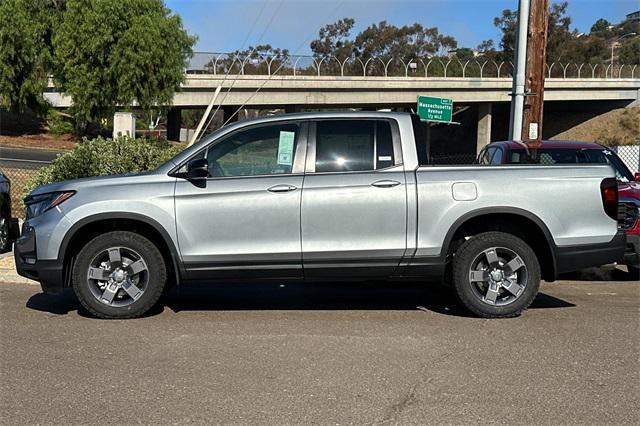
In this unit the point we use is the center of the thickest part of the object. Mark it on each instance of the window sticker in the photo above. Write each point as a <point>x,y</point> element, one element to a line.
<point>285,148</point>
<point>384,158</point>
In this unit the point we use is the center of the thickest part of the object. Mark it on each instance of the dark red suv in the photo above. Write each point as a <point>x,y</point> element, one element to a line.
<point>570,152</point>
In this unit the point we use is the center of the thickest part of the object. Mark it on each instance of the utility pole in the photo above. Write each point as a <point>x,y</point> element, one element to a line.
<point>535,72</point>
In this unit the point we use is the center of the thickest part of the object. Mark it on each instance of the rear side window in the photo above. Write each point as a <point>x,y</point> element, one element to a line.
<point>353,145</point>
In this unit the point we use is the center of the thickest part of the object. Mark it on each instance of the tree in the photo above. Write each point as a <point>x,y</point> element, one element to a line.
<point>487,50</point>
<point>334,40</point>
<point>601,25</point>
<point>630,52</point>
<point>508,25</point>
<point>253,60</point>
<point>380,40</point>
<point>26,51</point>
<point>464,54</point>
<point>559,36</point>
<point>407,42</point>
<point>116,54</point>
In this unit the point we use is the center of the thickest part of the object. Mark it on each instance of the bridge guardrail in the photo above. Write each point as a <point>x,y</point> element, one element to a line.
<point>441,67</point>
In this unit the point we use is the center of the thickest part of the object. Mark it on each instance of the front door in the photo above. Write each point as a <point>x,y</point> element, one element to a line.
<point>354,201</point>
<point>244,221</point>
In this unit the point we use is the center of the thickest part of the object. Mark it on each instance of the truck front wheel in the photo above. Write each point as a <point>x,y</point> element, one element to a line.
<point>496,275</point>
<point>119,274</point>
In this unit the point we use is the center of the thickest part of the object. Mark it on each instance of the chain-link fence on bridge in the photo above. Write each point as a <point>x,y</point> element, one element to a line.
<point>388,66</point>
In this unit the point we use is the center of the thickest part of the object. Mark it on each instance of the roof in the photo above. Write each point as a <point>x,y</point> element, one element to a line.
<point>553,144</point>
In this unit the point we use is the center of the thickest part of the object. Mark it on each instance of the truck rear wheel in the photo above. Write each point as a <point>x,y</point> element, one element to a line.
<point>119,274</point>
<point>496,275</point>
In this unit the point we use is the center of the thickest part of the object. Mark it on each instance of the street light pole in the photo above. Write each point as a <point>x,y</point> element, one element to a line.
<point>613,45</point>
<point>517,99</point>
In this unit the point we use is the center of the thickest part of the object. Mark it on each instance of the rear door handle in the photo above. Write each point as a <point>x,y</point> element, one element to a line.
<point>282,188</point>
<point>385,183</point>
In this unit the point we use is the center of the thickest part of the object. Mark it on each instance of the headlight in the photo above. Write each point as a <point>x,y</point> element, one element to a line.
<point>38,204</point>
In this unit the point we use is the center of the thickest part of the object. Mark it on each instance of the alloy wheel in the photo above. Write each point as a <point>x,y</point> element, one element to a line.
<point>118,276</point>
<point>498,276</point>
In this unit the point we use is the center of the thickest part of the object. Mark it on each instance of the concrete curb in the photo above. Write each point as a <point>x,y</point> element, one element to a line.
<point>8,272</point>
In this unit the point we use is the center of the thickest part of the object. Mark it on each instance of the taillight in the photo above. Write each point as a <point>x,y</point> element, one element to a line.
<point>609,191</point>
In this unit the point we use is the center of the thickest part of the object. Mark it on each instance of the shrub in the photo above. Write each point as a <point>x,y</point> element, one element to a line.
<point>58,125</point>
<point>101,157</point>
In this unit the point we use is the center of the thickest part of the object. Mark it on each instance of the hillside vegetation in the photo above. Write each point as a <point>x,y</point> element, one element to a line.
<point>616,127</point>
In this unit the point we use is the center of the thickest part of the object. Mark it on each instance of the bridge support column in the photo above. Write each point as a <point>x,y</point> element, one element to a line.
<point>227,111</point>
<point>174,121</point>
<point>484,126</point>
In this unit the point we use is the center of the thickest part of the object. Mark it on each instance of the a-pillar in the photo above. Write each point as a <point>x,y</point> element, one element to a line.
<point>484,126</point>
<point>174,119</point>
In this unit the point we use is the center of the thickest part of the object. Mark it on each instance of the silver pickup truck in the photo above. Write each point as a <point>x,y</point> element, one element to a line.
<point>319,196</point>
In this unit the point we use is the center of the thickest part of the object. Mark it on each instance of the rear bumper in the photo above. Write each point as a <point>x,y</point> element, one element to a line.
<point>573,258</point>
<point>48,272</point>
<point>632,253</point>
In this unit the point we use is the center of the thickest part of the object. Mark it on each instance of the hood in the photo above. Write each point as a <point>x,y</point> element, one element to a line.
<point>96,181</point>
<point>629,190</point>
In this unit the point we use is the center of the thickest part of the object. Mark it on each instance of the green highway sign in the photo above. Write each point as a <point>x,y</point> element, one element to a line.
<point>435,109</point>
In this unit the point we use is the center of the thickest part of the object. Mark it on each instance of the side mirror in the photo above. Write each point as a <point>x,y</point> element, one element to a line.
<point>198,169</point>
<point>637,176</point>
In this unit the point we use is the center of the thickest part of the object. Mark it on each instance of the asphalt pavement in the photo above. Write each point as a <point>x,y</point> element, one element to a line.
<point>335,353</point>
<point>25,158</point>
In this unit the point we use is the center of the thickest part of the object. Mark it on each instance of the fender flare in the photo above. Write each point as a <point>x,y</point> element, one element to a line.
<point>173,251</point>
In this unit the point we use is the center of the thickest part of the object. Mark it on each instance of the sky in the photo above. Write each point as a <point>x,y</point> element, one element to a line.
<point>228,25</point>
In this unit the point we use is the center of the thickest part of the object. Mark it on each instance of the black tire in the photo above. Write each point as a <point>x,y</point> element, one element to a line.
<point>155,275</point>
<point>527,277</point>
<point>5,244</point>
<point>634,272</point>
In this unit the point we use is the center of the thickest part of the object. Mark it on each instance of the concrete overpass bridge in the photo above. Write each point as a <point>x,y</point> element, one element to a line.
<point>296,83</point>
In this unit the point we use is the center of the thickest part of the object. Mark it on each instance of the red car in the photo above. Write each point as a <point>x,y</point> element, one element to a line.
<point>569,152</point>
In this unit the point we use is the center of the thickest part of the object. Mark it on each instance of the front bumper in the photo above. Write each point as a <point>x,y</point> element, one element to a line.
<point>14,229</point>
<point>573,258</point>
<point>632,253</point>
<point>49,273</point>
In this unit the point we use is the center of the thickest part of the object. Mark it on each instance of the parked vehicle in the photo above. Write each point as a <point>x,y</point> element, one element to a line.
<point>316,196</point>
<point>8,225</point>
<point>570,152</point>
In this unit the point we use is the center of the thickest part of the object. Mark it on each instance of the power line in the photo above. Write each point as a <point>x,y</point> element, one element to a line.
<point>331,15</point>
<point>217,92</point>
<point>264,31</point>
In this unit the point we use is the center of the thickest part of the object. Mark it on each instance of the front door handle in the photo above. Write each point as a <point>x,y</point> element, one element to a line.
<point>282,188</point>
<point>385,183</point>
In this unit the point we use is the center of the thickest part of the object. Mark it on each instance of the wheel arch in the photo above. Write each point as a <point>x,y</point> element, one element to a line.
<point>519,222</point>
<point>89,227</point>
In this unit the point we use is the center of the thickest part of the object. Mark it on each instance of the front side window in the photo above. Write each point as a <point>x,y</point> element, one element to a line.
<point>497,157</point>
<point>485,157</point>
<point>264,150</point>
<point>353,145</point>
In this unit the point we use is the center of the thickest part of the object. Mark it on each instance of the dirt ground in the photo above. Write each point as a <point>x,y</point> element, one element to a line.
<point>616,127</point>
<point>39,141</point>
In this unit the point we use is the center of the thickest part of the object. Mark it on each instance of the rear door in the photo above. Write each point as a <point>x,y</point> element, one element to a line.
<point>354,200</point>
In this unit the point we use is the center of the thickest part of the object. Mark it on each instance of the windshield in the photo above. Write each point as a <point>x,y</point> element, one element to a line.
<point>576,156</point>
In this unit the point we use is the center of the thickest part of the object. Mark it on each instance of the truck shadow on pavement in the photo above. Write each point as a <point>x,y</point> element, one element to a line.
<point>299,296</point>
